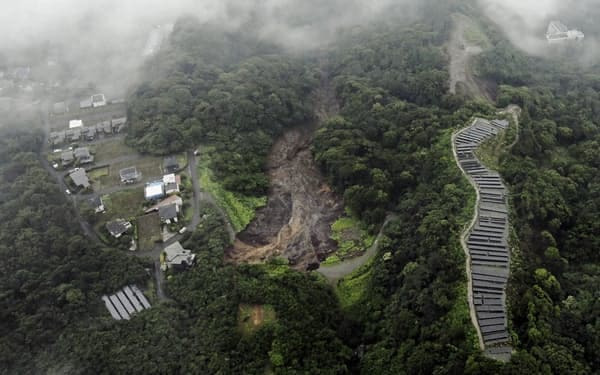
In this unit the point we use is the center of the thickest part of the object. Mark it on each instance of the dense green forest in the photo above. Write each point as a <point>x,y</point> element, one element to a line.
<point>387,152</point>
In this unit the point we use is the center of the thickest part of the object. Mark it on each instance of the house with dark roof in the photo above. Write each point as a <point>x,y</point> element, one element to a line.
<point>118,124</point>
<point>97,204</point>
<point>129,175</point>
<point>118,227</point>
<point>170,165</point>
<point>67,157</point>
<point>83,156</point>
<point>168,214</point>
<point>73,134</point>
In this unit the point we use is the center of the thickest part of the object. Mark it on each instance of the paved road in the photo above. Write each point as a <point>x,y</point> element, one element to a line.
<point>338,271</point>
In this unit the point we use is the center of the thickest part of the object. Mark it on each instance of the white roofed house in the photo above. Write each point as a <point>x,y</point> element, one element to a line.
<point>171,182</point>
<point>98,100</point>
<point>176,257</point>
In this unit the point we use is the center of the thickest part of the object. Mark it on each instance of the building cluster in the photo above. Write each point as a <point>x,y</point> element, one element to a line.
<point>488,240</point>
<point>78,131</point>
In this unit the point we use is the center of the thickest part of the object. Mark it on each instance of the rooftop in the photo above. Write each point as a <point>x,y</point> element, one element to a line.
<point>154,190</point>
<point>176,255</point>
<point>75,124</point>
<point>168,212</point>
<point>80,178</point>
<point>118,227</point>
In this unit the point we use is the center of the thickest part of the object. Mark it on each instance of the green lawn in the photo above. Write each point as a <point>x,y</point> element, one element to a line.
<point>148,230</point>
<point>110,150</point>
<point>126,204</point>
<point>351,289</point>
<point>98,173</point>
<point>252,317</point>
<point>239,208</point>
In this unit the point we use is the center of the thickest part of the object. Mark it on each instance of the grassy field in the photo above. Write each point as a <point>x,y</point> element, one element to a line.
<point>352,239</point>
<point>351,289</point>
<point>98,173</point>
<point>240,209</point>
<point>148,229</point>
<point>125,204</point>
<point>252,317</point>
<point>150,168</point>
<point>106,151</point>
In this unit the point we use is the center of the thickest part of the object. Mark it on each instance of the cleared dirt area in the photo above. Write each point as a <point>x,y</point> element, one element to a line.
<point>461,49</point>
<point>296,222</point>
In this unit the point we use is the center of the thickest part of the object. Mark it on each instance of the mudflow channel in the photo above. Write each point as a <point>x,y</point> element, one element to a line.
<point>296,222</point>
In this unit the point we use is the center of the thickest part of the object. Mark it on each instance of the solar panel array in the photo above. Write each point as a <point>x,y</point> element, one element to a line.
<point>488,239</point>
<point>126,302</point>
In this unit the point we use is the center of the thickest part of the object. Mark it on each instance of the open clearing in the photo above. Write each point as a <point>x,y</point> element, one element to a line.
<point>148,166</point>
<point>148,229</point>
<point>252,317</point>
<point>124,204</point>
<point>111,150</point>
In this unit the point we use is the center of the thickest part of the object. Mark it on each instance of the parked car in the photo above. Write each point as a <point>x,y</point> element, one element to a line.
<point>55,165</point>
<point>183,230</point>
<point>68,192</point>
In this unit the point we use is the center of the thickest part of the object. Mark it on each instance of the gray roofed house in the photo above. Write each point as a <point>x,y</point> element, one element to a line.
<point>117,227</point>
<point>90,133</point>
<point>129,175</point>
<point>67,157</point>
<point>170,164</point>
<point>118,124</point>
<point>176,257</point>
<point>104,126</point>
<point>83,155</point>
<point>97,204</point>
<point>80,178</point>
<point>57,138</point>
<point>168,213</point>
<point>73,134</point>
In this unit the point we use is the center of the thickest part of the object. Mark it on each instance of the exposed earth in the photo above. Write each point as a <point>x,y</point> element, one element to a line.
<point>461,51</point>
<point>296,222</point>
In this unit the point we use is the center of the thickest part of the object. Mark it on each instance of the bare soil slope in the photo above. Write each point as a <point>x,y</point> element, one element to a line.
<point>296,222</point>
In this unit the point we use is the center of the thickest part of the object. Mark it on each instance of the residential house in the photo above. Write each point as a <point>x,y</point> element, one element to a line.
<point>67,157</point>
<point>73,135</point>
<point>57,138</point>
<point>98,100</point>
<point>118,227</point>
<point>80,178</point>
<point>171,182</point>
<point>75,124</point>
<point>173,199</point>
<point>168,214</point>
<point>154,190</point>
<point>118,124</point>
<point>83,156</point>
<point>170,165</point>
<point>129,175</point>
<point>104,126</point>
<point>176,257</point>
<point>90,133</point>
<point>97,204</point>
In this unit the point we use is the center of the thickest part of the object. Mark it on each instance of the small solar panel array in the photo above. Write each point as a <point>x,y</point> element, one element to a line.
<point>126,302</point>
<point>488,240</point>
